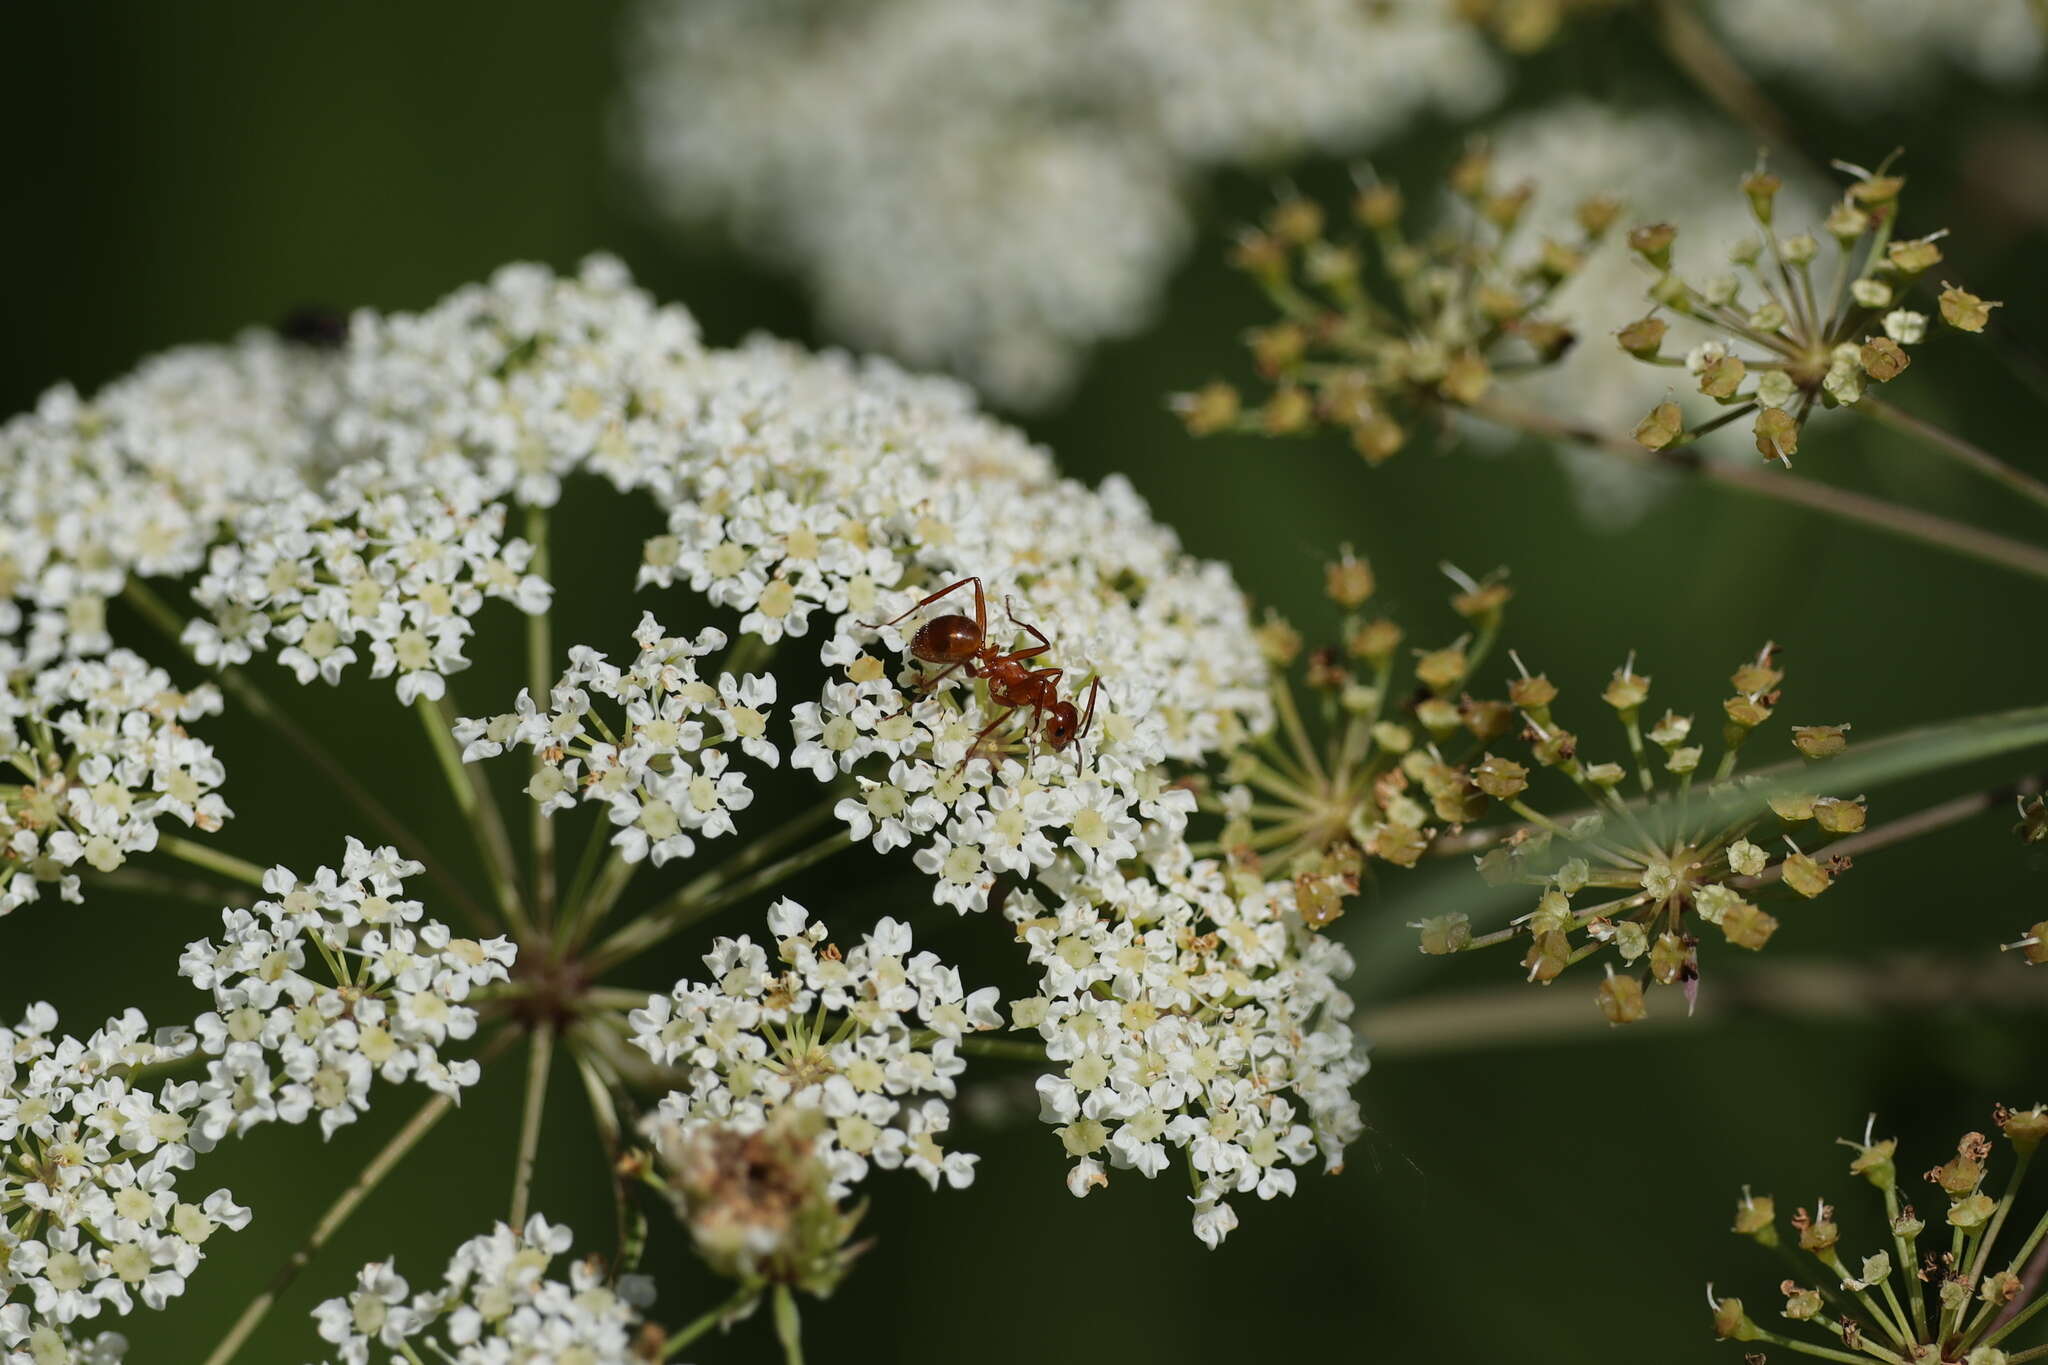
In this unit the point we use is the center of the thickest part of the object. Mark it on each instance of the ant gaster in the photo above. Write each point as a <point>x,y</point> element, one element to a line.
<point>963,642</point>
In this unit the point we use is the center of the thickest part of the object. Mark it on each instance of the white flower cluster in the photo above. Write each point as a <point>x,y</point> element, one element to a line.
<point>992,185</point>
<point>103,756</point>
<point>661,786</point>
<point>1869,54</point>
<point>1190,1008</point>
<point>496,1306</point>
<point>397,559</point>
<point>794,486</point>
<point>812,1027</point>
<point>91,1217</point>
<point>143,477</point>
<point>833,486</point>
<point>287,1046</point>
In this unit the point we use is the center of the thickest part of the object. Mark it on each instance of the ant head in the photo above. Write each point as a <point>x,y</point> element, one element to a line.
<point>1062,724</point>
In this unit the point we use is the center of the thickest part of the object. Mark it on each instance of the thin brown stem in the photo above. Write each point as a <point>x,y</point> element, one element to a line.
<point>1707,64</point>
<point>1938,816</point>
<point>540,1057</point>
<point>1965,453</point>
<point>381,1165</point>
<point>1522,1015</point>
<point>1894,519</point>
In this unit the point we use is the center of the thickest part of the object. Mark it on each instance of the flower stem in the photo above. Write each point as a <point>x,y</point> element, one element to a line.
<point>136,881</point>
<point>1956,448</point>
<point>1908,523</point>
<point>212,859</point>
<point>788,1326</point>
<point>540,652</point>
<point>540,1054</point>
<point>466,781</point>
<point>704,897</point>
<point>1808,1348</point>
<point>253,699</point>
<point>726,1311</point>
<point>1938,816</point>
<point>381,1165</point>
<point>1706,63</point>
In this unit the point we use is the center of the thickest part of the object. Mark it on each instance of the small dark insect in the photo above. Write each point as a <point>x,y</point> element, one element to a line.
<point>963,642</point>
<point>323,329</point>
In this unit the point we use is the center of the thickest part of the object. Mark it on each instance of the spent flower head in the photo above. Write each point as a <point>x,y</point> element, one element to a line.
<point>1640,872</point>
<point>1357,769</point>
<point>1380,334</point>
<point>1786,332</point>
<point>1941,1287</point>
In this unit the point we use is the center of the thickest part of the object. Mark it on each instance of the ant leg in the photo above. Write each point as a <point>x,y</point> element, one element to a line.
<point>980,605</point>
<point>1037,634</point>
<point>986,730</point>
<point>931,680</point>
<point>1087,720</point>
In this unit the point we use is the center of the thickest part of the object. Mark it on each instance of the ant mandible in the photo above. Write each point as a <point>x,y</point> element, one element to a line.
<point>963,642</point>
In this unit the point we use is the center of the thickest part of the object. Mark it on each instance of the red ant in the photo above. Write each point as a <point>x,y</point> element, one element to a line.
<point>960,642</point>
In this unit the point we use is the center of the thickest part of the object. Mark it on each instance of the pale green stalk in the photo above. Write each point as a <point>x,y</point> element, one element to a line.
<point>540,651</point>
<point>212,859</point>
<point>472,793</point>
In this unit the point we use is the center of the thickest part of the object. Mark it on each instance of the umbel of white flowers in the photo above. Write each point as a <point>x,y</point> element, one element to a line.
<point>330,512</point>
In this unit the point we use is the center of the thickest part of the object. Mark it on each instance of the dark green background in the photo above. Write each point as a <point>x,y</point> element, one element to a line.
<point>174,174</point>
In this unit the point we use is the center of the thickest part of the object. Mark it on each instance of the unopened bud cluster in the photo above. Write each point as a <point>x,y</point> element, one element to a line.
<point>1379,333</point>
<point>1930,1289</point>
<point>1788,331</point>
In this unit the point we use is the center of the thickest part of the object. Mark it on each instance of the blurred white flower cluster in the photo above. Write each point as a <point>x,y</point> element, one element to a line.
<point>1873,54</point>
<point>396,996</point>
<point>866,1037</point>
<point>991,186</point>
<point>92,1219</point>
<point>496,1306</point>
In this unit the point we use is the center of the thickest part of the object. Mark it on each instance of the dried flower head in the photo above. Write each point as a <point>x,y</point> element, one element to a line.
<point>759,1205</point>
